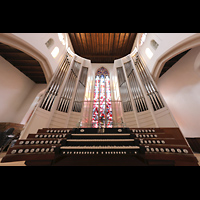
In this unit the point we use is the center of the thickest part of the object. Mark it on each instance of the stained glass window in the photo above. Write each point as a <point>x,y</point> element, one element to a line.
<point>102,108</point>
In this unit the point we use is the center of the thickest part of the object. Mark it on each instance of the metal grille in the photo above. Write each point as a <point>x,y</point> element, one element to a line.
<point>80,92</point>
<point>125,97</point>
<point>67,92</point>
<point>137,93</point>
<point>149,85</point>
<point>55,84</point>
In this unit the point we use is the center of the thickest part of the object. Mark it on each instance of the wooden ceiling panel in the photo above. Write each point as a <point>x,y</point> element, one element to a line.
<point>23,62</point>
<point>102,47</point>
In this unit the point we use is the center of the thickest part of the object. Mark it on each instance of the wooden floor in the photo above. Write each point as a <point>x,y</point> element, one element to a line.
<point>198,157</point>
<point>21,163</point>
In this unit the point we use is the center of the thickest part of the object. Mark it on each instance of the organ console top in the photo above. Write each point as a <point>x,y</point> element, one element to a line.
<point>103,147</point>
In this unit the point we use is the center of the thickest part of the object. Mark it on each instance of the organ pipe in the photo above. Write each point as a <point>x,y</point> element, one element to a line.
<point>55,84</point>
<point>80,92</point>
<point>125,97</point>
<point>138,96</point>
<point>66,96</point>
<point>149,85</point>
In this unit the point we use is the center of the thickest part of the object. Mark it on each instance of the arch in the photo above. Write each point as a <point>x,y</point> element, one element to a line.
<point>102,71</point>
<point>188,43</point>
<point>197,64</point>
<point>18,43</point>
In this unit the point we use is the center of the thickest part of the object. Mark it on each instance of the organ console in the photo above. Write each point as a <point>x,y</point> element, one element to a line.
<point>103,147</point>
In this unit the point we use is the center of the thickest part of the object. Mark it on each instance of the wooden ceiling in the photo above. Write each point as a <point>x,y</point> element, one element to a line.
<point>23,62</point>
<point>102,47</point>
<point>172,61</point>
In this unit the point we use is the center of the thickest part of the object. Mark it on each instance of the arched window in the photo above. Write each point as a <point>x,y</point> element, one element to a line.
<point>142,39</point>
<point>102,108</point>
<point>62,38</point>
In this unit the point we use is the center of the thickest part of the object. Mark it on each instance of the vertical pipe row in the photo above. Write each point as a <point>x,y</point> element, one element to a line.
<point>152,93</point>
<point>80,92</point>
<point>138,96</point>
<point>126,100</point>
<point>55,84</point>
<point>67,92</point>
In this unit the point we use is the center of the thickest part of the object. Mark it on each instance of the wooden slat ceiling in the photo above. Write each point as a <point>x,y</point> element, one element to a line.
<point>23,62</point>
<point>102,47</point>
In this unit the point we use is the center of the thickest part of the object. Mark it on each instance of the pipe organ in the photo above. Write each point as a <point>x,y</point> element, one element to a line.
<point>148,134</point>
<point>63,104</point>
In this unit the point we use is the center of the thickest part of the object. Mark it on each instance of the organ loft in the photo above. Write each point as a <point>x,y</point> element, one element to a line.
<point>101,106</point>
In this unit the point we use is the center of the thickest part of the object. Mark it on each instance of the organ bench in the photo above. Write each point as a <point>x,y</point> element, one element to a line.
<point>103,147</point>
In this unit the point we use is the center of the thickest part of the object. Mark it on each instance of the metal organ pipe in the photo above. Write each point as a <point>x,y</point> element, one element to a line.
<point>148,83</point>
<point>67,92</point>
<point>126,100</point>
<point>152,90</point>
<point>80,92</point>
<point>64,95</point>
<point>55,84</point>
<point>138,97</point>
<point>64,100</point>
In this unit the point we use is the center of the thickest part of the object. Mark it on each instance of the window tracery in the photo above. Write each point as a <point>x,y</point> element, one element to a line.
<point>102,108</point>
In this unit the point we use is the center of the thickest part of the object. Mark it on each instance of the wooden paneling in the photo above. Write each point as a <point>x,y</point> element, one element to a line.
<point>194,144</point>
<point>102,47</point>
<point>23,62</point>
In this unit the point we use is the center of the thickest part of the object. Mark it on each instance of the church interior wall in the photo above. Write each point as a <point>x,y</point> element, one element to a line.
<point>15,87</point>
<point>29,100</point>
<point>180,87</point>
